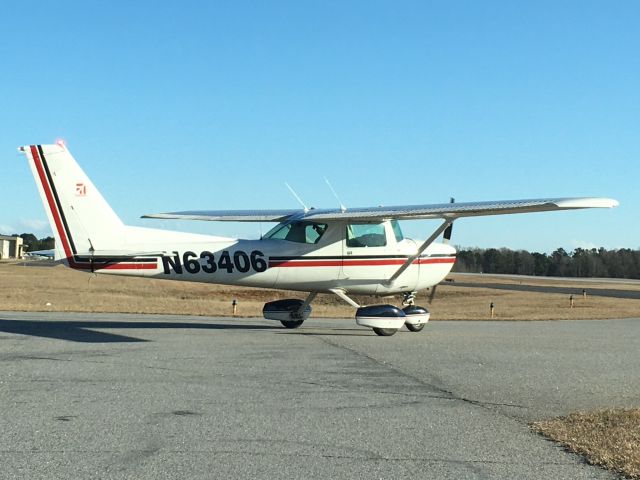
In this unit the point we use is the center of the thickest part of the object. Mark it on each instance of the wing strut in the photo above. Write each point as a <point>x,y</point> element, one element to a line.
<point>446,224</point>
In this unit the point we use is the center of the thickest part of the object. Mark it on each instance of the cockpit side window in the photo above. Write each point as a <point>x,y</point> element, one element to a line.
<point>366,235</point>
<point>299,232</point>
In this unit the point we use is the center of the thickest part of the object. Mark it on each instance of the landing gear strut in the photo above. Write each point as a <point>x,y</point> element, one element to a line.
<point>408,298</point>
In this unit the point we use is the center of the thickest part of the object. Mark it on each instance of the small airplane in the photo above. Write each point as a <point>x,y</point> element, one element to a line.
<point>345,252</point>
<point>41,254</point>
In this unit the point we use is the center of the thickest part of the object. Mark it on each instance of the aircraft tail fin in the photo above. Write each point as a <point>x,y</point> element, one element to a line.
<point>81,219</point>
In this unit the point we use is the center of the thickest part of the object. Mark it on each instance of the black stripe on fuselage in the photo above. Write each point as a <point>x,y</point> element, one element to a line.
<point>55,196</point>
<point>358,257</point>
<point>115,259</point>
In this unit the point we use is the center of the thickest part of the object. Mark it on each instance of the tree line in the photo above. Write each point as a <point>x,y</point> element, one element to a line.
<point>600,262</point>
<point>34,243</point>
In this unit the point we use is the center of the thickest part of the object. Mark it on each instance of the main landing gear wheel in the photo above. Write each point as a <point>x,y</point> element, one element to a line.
<point>291,323</point>
<point>290,312</point>
<point>385,332</point>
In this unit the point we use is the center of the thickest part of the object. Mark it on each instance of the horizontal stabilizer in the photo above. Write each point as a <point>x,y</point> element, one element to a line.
<point>118,254</point>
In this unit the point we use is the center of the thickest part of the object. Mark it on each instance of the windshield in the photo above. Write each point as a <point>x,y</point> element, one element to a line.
<point>300,232</point>
<point>397,231</point>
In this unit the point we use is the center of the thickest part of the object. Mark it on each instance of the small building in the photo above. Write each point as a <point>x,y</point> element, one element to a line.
<point>10,247</point>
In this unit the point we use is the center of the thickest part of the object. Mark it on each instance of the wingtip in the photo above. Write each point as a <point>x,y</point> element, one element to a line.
<point>587,202</point>
<point>607,202</point>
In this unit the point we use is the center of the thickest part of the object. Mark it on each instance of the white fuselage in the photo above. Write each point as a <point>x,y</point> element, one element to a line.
<point>277,263</point>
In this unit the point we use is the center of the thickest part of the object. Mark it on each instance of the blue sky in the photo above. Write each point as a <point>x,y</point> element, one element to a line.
<point>214,105</point>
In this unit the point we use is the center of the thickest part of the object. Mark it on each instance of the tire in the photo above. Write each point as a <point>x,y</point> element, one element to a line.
<point>291,323</point>
<point>415,327</point>
<point>385,332</point>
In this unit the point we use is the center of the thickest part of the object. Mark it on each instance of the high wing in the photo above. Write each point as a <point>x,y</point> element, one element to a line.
<point>449,211</point>
<point>229,215</point>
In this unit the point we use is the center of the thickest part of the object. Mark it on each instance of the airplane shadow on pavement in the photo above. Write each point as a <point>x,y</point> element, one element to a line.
<point>83,331</point>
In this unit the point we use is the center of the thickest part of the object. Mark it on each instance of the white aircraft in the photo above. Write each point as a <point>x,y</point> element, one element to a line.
<point>356,251</point>
<point>41,254</point>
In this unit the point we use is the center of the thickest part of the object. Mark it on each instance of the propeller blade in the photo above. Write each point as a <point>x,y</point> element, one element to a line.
<point>446,236</point>
<point>432,294</point>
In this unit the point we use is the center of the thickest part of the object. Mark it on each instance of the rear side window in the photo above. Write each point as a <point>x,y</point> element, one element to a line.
<point>366,235</point>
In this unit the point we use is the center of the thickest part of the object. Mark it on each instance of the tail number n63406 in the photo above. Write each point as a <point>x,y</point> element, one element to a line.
<point>206,261</point>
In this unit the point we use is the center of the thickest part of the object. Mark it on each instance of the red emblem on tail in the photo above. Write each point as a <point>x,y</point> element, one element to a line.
<point>81,189</point>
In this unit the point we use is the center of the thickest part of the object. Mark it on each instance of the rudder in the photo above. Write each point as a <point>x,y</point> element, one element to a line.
<point>81,219</point>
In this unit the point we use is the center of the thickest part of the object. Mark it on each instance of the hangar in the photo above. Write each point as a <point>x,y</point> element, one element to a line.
<point>10,247</point>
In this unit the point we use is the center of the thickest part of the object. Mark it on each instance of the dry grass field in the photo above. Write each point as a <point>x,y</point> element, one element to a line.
<point>609,438</point>
<point>41,287</point>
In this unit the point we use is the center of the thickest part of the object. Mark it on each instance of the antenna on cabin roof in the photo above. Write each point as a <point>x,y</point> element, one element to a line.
<point>342,207</point>
<point>293,192</point>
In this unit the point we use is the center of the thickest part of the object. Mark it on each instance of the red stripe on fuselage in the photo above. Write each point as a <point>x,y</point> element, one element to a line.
<point>423,261</point>
<point>356,263</point>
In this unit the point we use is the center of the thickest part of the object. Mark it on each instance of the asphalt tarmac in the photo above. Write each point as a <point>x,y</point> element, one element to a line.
<point>137,397</point>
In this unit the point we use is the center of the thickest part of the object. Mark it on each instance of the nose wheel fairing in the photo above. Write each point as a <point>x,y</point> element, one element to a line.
<point>415,315</point>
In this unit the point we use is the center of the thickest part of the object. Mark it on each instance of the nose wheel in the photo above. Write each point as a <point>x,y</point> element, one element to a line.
<point>414,327</point>
<point>415,317</point>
